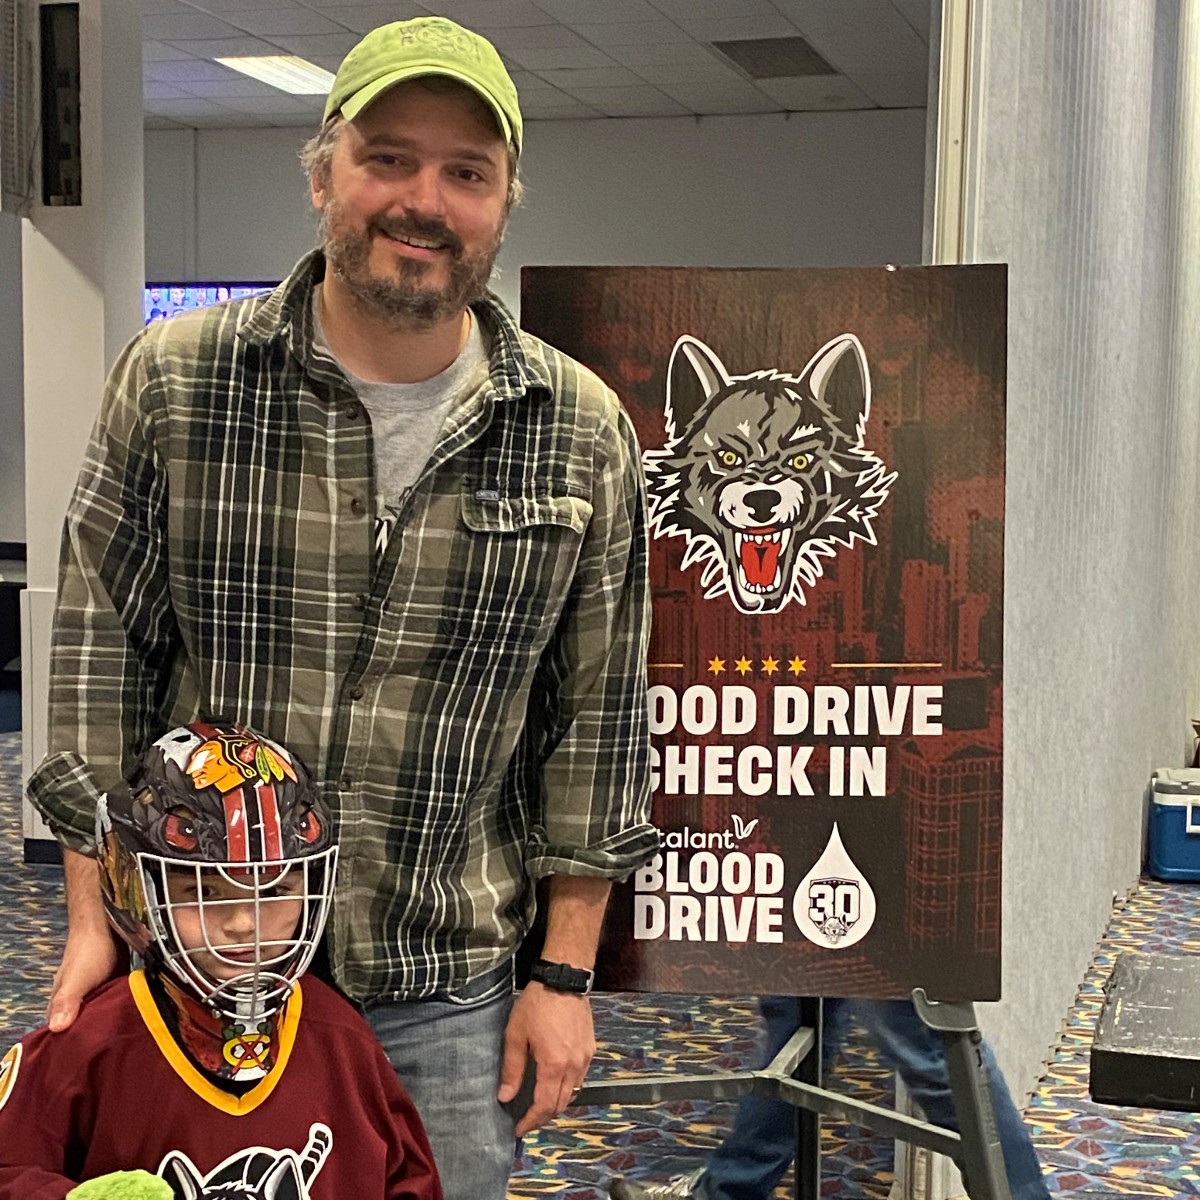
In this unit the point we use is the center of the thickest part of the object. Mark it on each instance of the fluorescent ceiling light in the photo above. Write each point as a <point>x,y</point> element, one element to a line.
<point>284,71</point>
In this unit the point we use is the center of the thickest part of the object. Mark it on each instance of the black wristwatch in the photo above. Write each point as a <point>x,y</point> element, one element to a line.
<point>562,978</point>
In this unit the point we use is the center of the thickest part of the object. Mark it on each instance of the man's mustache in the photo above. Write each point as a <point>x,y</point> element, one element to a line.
<point>426,228</point>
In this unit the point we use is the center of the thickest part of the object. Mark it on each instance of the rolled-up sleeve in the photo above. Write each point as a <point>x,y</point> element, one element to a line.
<point>595,775</point>
<point>114,640</point>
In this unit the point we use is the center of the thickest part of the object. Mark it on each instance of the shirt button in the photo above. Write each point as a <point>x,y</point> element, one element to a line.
<point>357,693</point>
<point>357,507</point>
<point>347,781</point>
<point>353,411</point>
<point>360,601</point>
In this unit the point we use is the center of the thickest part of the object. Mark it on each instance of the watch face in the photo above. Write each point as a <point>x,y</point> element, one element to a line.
<point>563,978</point>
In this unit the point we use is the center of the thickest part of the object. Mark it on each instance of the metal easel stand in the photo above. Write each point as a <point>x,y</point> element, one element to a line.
<point>794,1076</point>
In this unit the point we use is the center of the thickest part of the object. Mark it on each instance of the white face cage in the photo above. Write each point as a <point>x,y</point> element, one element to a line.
<point>225,930</point>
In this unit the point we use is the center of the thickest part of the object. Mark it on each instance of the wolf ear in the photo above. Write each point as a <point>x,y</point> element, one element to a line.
<point>177,1170</point>
<point>283,1181</point>
<point>695,374</point>
<point>838,377</point>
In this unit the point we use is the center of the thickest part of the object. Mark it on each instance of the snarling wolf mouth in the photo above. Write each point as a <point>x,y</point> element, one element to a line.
<point>766,474</point>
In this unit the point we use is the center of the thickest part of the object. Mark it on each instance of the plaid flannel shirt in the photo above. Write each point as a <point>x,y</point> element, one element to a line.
<point>473,703</point>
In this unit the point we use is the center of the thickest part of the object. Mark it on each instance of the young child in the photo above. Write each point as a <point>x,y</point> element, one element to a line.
<point>213,1066</point>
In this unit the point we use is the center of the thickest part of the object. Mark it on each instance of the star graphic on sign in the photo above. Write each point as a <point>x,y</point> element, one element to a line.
<point>770,665</point>
<point>716,666</point>
<point>796,665</point>
<point>743,666</point>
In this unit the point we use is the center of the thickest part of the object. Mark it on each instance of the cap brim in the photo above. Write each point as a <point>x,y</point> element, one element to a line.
<point>364,96</point>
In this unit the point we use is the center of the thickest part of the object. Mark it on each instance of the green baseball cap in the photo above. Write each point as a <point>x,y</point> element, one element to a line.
<point>404,50</point>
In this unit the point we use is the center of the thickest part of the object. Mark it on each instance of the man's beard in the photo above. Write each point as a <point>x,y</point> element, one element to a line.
<point>401,297</point>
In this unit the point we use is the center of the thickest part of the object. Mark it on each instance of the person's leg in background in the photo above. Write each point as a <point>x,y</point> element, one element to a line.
<point>446,1053</point>
<point>918,1053</point>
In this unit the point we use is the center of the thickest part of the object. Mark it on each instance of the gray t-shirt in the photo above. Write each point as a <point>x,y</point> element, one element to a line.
<point>406,419</point>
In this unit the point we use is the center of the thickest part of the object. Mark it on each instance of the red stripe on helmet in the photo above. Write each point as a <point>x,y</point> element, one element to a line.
<point>272,835</point>
<point>237,832</point>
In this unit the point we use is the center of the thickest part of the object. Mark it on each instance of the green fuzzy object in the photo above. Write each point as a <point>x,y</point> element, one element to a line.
<point>123,1185</point>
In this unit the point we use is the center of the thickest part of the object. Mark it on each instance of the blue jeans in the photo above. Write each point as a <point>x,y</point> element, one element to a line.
<point>752,1159</point>
<point>446,1051</point>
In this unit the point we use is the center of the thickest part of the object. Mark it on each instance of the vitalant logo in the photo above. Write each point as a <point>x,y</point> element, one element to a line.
<point>704,886</point>
<point>765,474</point>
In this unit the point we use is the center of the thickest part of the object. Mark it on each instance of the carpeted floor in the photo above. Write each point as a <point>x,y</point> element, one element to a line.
<point>1087,1149</point>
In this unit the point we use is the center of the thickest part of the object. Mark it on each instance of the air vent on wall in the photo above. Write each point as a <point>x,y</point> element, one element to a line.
<point>775,58</point>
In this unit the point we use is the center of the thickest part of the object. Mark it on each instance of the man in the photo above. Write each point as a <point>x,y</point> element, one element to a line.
<point>369,516</point>
<point>752,1159</point>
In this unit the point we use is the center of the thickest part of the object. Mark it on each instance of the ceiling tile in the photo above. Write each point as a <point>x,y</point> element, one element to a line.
<point>545,60</point>
<point>631,33</point>
<point>236,85</point>
<point>535,37</point>
<point>281,102</point>
<point>815,93</point>
<point>859,36</point>
<point>563,109</point>
<point>717,98</point>
<point>630,102</point>
<point>151,121</point>
<point>182,26</point>
<point>268,22</point>
<point>716,9</point>
<point>152,90</point>
<point>182,71</point>
<point>739,29</point>
<point>895,91</point>
<point>917,14</point>
<point>571,11</point>
<point>232,120</point>
<point>362,18</point>
<point>181,110</point>
<point>310,45</point>
<point>235,6</point>
<point>152,8</point>
<point>153,51</point>
<point>591,77</point>
<point>490,14</point>
<point>673,53</point>
<point>697,72</point>
<point>227,47</point>
<point>527,81</point>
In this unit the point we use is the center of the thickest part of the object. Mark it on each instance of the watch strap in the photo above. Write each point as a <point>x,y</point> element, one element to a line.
<point>561,977</point>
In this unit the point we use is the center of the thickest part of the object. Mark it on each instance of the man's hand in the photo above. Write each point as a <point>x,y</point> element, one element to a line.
<point>89,959</point>
<point>91,953</point>
<point>555,1030</point>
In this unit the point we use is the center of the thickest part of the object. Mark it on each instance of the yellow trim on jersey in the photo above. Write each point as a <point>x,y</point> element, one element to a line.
<point>235,1106</point>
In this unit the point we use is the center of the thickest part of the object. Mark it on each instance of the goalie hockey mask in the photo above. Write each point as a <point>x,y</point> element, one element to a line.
<point>217,862</point>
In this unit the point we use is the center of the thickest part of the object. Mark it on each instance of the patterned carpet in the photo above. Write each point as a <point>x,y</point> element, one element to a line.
<point>1087,1149</point>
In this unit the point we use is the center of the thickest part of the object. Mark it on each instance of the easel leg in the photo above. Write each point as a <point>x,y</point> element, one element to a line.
<point>982,1158</point>
<point>808,1124</point>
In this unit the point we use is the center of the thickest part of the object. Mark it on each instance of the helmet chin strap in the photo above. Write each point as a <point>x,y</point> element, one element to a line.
<point>241,1049</point>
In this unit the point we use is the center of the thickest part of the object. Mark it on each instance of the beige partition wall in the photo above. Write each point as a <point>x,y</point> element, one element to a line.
<point>1080,170</point>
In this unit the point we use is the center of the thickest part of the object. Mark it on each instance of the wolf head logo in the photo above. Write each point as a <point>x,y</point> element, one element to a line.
<point>254,1174</point>
<point>765,474</point>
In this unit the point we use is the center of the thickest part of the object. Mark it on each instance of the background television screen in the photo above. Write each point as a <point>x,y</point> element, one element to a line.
<point>166,299</point>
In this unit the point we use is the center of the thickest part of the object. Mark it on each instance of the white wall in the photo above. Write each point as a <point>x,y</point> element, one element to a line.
<point>12,404</point>
<point>1088,186</point>
<point>812,189</point>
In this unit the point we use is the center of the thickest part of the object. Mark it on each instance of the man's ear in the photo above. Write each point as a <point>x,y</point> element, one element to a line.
<point>317,190</point>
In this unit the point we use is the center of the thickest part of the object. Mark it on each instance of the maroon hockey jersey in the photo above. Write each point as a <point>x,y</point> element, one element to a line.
<point>114,1092</point>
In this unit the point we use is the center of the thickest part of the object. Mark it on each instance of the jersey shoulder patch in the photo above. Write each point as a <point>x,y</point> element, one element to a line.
<point>10,1064</point>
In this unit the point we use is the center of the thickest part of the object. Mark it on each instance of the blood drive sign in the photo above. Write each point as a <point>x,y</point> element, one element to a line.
<point>824,456</point>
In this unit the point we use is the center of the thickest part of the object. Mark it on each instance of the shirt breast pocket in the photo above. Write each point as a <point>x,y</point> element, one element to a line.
<point>513,561</point>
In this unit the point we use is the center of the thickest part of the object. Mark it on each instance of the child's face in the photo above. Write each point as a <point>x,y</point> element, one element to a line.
<point>239,935</point>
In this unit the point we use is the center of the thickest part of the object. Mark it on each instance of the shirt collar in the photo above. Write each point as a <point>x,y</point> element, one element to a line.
<point>517,367</point>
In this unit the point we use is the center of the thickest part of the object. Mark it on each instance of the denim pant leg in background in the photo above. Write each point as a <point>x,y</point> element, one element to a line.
<point>910,1047</point>
<point>753,1158</point>
<point>447,1055</point>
